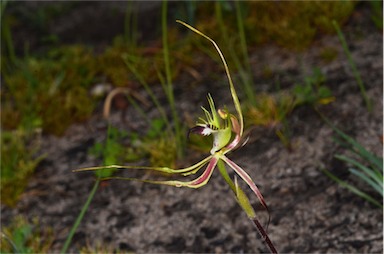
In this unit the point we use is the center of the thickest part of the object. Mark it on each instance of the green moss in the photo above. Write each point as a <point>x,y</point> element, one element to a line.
<point>17,164</point>
<point>112,66</point>
<point>22,236</point>
<point>290,24</point>
<point>326,12</point>
<point>295,24</point>
<point>52,92</point>
<point>72,106</point>
<point>162,151</point>
<point>377,13</point>
<point>270,111</point>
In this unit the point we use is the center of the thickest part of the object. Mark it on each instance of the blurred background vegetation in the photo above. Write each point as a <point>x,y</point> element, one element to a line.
<point>60,60</point>
<point>50,61</point>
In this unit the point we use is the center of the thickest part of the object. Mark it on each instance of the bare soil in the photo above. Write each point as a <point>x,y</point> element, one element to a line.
<point>309,211</point>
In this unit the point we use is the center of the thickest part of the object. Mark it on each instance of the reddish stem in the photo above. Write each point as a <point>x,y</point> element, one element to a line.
<point>264,235</point>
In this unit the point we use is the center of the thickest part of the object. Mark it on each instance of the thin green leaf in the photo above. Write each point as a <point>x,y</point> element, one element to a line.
<point>353,66</point>
<point>378,173</point>
<point>352,188</point>
<point>354,146</point>
<point>366,170</point>
<point>360,150</point>
<point>140,78</point>
<point>80,217</point>
<point>375,185</point>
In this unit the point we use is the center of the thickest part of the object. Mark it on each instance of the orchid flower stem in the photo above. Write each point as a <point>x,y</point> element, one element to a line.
<point>80,217</point>
<point>264,235</point>
<point>243,201</point>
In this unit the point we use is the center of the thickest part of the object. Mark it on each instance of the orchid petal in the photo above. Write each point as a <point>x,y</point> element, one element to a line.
<point>215,121</point>
<point>235,125</point>
<point>200,130</point>
<point>193,168</point>
<point>207,116</point>
<point>197,183</point>
<point>248,180</point>
<point>237,130</point>
<point>231,86</point>
<point>201,180</point>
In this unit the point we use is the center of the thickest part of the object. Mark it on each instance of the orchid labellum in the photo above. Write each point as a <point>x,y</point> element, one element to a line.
<point>227,132</point>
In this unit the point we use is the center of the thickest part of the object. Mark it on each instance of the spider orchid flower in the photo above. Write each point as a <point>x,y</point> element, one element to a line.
<point>218,123</point>
<point>227,131</point>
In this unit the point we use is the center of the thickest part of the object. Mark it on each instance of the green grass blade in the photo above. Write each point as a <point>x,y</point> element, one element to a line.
<point>371,182</point>
<point>6,34</point>
<point>243,68</point>
<point>354,146</point>
<point>378,173</point>
<point>138,108</point>
<point>366,170</point>
<point>169,86</point>
<point>352,188</point>
<point>80,217</point>
<point>353,66</point>
<point>142,81</point>
<point>167,66</point>
<point>247,74</point>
